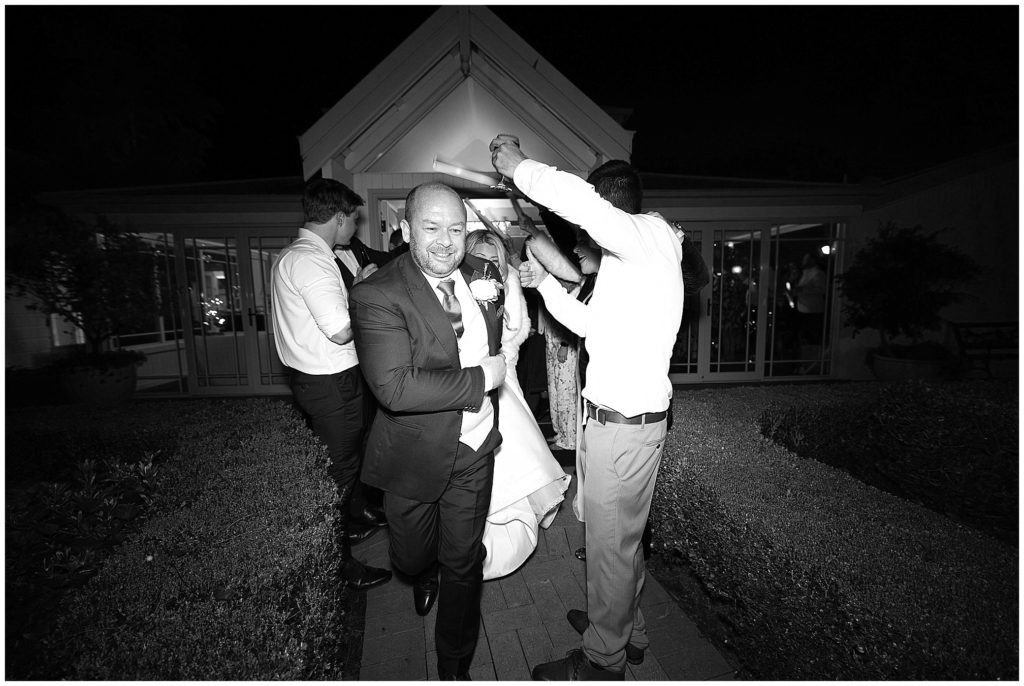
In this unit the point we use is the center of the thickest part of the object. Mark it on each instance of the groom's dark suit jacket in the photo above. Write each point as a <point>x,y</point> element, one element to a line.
<point>409,355</point>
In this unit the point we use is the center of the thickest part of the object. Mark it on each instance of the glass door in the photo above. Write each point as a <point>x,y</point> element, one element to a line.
<point>733,303</point>
<point>226,309</point>
<point>686,357</point>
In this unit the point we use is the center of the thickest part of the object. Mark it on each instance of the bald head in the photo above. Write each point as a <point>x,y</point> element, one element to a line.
<point>427,193</point>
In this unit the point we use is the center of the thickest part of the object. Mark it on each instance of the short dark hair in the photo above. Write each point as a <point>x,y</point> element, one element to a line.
<point>413,199</point>
<point>618,182</point>
<point>324,198</point>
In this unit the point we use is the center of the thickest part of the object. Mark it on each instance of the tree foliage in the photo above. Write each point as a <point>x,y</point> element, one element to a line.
<point>99,277</point>
<point>900,282</point>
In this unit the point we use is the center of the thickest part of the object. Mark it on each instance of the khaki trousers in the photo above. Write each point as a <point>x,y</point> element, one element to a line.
<point>618,468</point>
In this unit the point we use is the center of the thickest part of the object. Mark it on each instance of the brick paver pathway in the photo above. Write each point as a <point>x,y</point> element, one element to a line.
<point>523,620</point>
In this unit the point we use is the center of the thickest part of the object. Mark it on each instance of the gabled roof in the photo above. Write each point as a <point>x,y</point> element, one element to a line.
<point>465,53</point>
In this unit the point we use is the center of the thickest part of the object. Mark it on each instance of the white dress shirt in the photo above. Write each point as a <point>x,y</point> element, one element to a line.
<point>310,305</point>
<point>348,259</point>
<point>473,348</point>
<point>635,311</point>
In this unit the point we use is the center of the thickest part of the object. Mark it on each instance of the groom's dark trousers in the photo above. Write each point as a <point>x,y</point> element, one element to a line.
<point>437,489</point>
<point>449,532</point>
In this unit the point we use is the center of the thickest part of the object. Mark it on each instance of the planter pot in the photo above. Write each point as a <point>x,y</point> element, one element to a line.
<point>904,369</point>
<point>93,384</point>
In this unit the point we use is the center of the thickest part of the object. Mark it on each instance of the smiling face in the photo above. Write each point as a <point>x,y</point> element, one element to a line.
<point>589,253</point>
<point>436,231</point>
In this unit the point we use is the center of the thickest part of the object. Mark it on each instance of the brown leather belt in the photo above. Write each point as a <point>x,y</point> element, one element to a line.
<point>604,416</point>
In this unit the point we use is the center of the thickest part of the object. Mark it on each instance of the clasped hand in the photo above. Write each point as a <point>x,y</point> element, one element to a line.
<point>531,272</point>
<point>494,371</point>
<point>505,156</point>
<point>364,272</point>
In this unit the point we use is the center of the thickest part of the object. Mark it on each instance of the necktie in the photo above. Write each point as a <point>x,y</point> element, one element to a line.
<point>451,305</point>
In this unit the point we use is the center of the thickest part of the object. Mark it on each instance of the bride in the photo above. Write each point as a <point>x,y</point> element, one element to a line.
<point>529,484</point>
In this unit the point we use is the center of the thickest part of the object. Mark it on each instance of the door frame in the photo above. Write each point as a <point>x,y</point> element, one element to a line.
<point>241,235</point>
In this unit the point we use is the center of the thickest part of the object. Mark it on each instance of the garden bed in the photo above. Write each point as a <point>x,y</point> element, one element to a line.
<point>808,573</point>
<point>173,540</point>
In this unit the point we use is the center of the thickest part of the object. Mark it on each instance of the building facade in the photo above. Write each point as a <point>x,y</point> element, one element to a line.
<point>427,112</point>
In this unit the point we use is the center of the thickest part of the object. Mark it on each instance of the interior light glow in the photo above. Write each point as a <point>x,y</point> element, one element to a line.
<point>826,249</point>
<point>737,269</point>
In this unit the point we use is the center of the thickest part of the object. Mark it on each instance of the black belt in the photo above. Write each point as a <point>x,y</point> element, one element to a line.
<point>603,416</point>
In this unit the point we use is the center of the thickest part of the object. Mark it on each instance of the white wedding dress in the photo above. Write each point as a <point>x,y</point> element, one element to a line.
<point>529,484</point>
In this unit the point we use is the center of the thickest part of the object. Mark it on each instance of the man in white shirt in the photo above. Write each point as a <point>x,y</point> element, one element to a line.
<point>313,334</point>
<point>429,352</point>
<point>630,325</point>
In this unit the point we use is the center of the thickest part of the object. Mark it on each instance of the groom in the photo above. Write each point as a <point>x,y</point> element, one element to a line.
<point>429,354</point>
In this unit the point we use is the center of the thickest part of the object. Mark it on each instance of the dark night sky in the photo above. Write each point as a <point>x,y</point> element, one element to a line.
<point>123,95</point>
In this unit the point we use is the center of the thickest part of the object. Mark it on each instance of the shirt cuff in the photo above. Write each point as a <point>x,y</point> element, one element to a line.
<point>487,377</point>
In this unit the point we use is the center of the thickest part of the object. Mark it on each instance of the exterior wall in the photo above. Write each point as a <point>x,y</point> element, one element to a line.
<point>26,334</point>
<point>980,211</point>
<point>373,186</point>
<point>28,338</point>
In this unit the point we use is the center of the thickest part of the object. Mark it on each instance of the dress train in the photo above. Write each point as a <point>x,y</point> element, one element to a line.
<point>529,484</point>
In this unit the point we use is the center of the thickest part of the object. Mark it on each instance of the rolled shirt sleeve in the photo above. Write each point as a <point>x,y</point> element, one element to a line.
<point>316,281</point>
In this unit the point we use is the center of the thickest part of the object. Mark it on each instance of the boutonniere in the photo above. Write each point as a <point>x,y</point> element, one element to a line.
<point>484,289</point>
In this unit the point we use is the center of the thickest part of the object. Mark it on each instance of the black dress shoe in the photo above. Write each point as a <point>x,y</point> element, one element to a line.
<point>360,577</point>
<point>369,516</point>
<point>575,667</point>
<point>357,533</point>
<point>424,593</point>
<point>580,622</point>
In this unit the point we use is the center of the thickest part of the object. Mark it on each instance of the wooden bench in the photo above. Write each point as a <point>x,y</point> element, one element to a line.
<point>982,342</point>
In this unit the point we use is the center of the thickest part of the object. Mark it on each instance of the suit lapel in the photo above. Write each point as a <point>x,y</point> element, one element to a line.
<point>429,307</point>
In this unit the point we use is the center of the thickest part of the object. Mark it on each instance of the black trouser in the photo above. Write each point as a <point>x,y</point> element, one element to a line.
<point>448,533</point>
<point>362,495</point>
<point>334,403</point>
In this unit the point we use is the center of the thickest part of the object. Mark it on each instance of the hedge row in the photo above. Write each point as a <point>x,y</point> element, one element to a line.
<point>819,575</point>
<point>953,448</point>
<point>234,576</point>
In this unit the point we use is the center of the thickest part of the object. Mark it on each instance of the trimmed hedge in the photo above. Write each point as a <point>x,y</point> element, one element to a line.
<point>232,577</point>
<point>953,448</point>
<point>819,575</point>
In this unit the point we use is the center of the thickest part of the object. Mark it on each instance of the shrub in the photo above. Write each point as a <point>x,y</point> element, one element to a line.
<point>819,575</point>
<point>951,447</point>
<point>233,575</point>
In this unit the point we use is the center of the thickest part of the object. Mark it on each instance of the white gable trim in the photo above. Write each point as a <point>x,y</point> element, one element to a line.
<point>452,44</point>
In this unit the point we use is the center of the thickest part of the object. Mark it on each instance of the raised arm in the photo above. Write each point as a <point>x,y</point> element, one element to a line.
<point>576,201</point>
<point>562,305</point>
<point>545,250</point>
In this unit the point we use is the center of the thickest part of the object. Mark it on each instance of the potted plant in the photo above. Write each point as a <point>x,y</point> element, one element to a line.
<point>898,284</point>
<point>99,278</point>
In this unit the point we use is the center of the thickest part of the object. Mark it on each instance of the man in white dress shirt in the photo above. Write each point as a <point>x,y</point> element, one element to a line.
<point>630,325</point>
<point>313,334</point>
